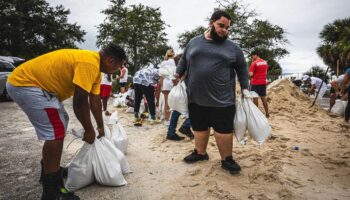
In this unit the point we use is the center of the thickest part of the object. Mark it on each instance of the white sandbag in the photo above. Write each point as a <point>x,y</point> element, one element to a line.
<point>119,137</point>
<point>118,134</point>
<point>100,161</point>
<point>258,125</point>
<point>121,157</point>
<point>240,120</point>
<point>106,164</point>
<point>113,119</point>
<point>80,133</point>
<point>177,99</point>
<point>119,100</point>
<point>104,117</point>
<point>108,133</point>
<point>80,170</point>
<point>339,107</point>
<point>129,110</point>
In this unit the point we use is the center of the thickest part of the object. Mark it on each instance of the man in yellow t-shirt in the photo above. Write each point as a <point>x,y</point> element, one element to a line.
<point>41,84</point>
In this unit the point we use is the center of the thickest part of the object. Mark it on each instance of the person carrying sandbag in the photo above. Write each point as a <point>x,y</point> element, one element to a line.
<point>212,62</point>
<point>40,85</point>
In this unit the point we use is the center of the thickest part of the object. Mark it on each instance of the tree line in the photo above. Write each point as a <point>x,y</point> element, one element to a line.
<point>32,27</point>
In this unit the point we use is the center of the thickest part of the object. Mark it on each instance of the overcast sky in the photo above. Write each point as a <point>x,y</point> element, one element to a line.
<point>303,20</point>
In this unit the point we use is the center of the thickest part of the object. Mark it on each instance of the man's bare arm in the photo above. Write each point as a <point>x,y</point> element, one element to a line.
<point>96,109</point>
<point>82,111</point>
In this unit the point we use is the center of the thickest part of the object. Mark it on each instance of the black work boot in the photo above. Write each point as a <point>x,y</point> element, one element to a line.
<point>50,186</point>
<point>63,172</point>
<point>230,165</point>
<point>194,157</point>
<point>42,171</point>
<point>53,188</point>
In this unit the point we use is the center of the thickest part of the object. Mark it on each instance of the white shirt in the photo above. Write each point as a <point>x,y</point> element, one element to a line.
<point>125,77</point>
<point>169,67</point>
<point>317,82</point>
<point>104,80</point>
<point>131,93</point>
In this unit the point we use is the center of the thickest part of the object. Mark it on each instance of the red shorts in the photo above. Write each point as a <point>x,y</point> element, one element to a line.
<point>105,91</point>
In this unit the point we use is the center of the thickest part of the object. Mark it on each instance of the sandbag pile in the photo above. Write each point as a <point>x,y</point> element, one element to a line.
<point>103,161</point>
<point>119,100</point>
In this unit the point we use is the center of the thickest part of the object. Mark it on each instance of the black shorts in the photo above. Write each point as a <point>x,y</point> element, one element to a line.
<point>123,84</point>
<point>220,118</point>
<point>259,89</point>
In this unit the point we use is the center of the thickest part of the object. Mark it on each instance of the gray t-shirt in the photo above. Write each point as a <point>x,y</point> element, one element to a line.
<point>212,69</point>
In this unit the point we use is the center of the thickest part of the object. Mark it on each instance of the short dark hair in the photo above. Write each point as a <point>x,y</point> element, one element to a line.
<point>114,50</point>
<point>255,52</point>
<point>218,14</point>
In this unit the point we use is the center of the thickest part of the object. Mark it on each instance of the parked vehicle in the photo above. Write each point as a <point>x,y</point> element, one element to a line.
<point>7,65</point>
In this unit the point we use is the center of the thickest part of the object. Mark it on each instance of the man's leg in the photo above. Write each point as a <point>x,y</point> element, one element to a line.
<point>138,98</point>
<point>166,106</point>
<point>322,92</point>
<point>50,120</point>
<point>199,153</point>
<point>256,101</point>
<point>174,117</point>
<point>266,107</point>
<point>331,101</point>
<point>347,109</point>
<point>199,116</point>
<point>224,142</point>
<point>52,181</point>
<point>52,152</point>
<point>104,105</point>
<point>149,94</point>
<point>201,139</point>
<point>186,128</point>
<point>222,121</point>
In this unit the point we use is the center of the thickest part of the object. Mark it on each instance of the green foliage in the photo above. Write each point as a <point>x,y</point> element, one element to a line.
<point>335,44</point>
<point>31,27</point>
<point>317,71</point>
<point>250,34</point>
<point>185,37</point>
<point>139,29</point>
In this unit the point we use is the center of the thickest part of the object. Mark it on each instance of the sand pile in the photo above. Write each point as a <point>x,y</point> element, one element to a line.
<point>284,97</point>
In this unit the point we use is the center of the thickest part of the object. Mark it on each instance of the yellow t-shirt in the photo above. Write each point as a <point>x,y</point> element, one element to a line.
<point>59,71</point>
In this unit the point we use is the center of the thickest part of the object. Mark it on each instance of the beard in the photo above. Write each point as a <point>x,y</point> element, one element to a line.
<point>215,37</point>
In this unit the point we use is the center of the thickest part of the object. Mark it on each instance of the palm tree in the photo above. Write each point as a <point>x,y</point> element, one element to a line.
<point>335,44</point>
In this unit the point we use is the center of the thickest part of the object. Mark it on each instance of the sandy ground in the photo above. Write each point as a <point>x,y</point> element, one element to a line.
<point>320,169</point>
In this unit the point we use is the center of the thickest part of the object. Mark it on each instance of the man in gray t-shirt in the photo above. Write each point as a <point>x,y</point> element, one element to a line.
<point>212,62</point>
